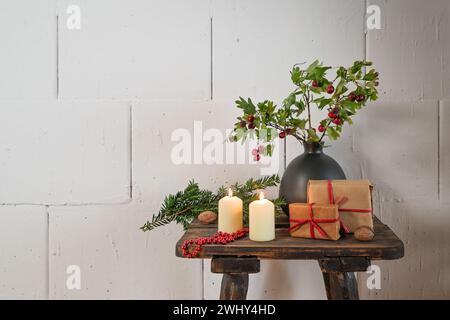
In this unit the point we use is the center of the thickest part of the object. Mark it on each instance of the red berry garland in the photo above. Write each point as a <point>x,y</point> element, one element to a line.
<point>218,238</point>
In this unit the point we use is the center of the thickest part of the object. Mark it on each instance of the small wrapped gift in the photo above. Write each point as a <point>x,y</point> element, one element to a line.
<point>314,221</point>
<point>354,198</point>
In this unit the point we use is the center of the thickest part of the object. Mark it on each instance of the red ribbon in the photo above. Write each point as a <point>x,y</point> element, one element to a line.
<point>313,223</point>
<point>331,199</point>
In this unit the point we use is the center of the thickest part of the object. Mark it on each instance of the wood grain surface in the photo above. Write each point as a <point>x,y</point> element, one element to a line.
<point>385,246</point>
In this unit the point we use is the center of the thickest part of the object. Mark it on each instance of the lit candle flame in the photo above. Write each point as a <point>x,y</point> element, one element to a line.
<point>261,196</point>
<point>230,192</point>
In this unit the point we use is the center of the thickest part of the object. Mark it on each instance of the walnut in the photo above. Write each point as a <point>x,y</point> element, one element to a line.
<point>364,234</point>
<point>207,217</point>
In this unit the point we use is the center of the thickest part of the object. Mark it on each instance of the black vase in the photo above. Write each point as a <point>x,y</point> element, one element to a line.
<point>312,164</point>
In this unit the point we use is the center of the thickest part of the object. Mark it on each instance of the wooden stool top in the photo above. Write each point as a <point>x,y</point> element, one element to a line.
<point>385,245</point>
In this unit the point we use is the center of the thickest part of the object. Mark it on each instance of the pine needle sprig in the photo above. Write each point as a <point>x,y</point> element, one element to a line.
<point>185,206</point>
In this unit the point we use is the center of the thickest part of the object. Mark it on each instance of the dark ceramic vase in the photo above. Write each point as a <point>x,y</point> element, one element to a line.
<point>313,164</point>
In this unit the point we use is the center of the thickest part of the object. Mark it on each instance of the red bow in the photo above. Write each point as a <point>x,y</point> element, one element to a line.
<point>331,198</point>
<point>313,223</point>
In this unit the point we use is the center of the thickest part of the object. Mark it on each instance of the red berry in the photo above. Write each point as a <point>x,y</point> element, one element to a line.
<point>254,152</point>
<point>282,134</point>
<point>251,125</point>
<point>250,118</point>
<point>351,97</point>
<point>332,115</point>
<point>330,89</point>
<point>321,128</point>
<point>314,83</point>
<point>242,124</point>
<point>337,121</point>
<point>360,98</point>
<point>257,157</point>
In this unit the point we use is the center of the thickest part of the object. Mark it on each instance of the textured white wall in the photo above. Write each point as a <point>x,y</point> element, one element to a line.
<point>86,117</point>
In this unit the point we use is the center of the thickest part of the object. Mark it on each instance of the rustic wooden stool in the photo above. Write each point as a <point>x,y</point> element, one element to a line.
<point>338,260</point>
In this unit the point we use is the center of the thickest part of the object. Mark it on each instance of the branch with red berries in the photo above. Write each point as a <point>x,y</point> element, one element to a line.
<point>341,97</point>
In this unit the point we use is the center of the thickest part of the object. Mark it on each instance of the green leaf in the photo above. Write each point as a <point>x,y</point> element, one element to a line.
<point>349,105</point>
<point>341,72</point>
<point>295,75</point>
<point>302,123</point>
<point>324,102</point>
<point>241,133</point>
<point>357,65</point>
<point>332,133</point>
<point>312,135</point>
<point>289,101</point>
<point>246,105</point>
<point>371,75</point>
<point>312,66</point>
<point>316,89</point>
<point>300,107</point>
<point>269,150</point>
<point>340,88</point>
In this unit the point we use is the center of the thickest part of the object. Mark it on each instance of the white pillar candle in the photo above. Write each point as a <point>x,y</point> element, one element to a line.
<point>261,220</point>
<point>230,213</point>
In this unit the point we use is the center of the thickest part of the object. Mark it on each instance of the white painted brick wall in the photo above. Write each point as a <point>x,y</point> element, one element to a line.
<point>86,118</point>
<point>28,55</point>
<point>64,152</point>
<point>116,259</point>
<point>412,49</point>
<point>23,252</point>
<point>136,49</point>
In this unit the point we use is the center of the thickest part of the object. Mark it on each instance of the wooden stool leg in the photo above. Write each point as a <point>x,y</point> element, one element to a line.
<point>341,285</point>
<point>234,286</point>
<point>235,275</point>
<point>339,277</point>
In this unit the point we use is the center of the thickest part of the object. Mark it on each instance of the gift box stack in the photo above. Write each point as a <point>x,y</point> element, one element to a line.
<point>334,207</point>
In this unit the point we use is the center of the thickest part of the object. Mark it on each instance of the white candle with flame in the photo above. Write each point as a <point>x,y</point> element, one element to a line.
<point>261,220</point>
<point>230,213</point>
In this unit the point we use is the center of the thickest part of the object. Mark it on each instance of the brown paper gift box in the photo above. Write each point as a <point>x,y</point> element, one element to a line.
<point>324,223</point>
<point>354,198</point>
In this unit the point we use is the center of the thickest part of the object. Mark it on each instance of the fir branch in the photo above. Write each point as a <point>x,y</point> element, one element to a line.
<point>185,206</point>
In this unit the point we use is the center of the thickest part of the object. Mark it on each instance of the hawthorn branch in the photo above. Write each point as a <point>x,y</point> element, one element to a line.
<point>306,97</point>
<point>325,131</point>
